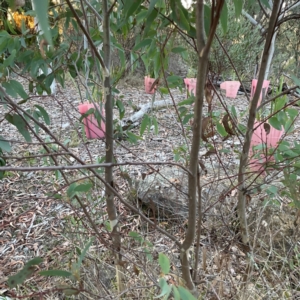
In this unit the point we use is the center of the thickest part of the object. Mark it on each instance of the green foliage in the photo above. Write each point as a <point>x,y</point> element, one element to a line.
<point>76,266</point>
<point>224,17</point>
<point>148,122</point>
<point>41,9</point>
<point>25,273</point>
<point>146,245</point>
<point>19,122</point>
<point>74,189</point>
<point>13,88</point>
<point>164,263</point>
<point>4,144</point>
<point>181,154</point>
<point>29,269</point>
<point>239,36</point>
<point>238,5</point>
<point>44,114</point>
<point>166,288</point>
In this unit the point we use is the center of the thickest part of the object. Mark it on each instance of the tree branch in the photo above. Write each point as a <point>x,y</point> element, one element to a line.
<point>90,166</point>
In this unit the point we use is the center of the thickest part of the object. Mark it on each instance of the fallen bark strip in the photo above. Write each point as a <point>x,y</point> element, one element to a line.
<point>135,119</point>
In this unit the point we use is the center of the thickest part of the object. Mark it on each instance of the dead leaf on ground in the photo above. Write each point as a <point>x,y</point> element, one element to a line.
<point>207,128</point>
<point>228,124</point>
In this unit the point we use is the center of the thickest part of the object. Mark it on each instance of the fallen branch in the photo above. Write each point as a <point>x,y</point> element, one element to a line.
<point>134,120</point>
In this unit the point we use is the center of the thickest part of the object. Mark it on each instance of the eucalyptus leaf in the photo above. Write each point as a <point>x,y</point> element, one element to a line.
<point>4,144</point>
<point>238,6</point>
<point>164,263</point>
<point>25,273</point>
<point>44,114</point>
<point>41,9</point>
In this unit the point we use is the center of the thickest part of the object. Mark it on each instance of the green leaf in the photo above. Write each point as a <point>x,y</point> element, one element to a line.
<point>155,125</point>
<point>296,81</point>
<point>289,126</point>
<point>86,114</point>
<point>83,187</point>
<point>83,253</point>
<point>17,87</point>
<point>17,121</point>
<point>151,6</point>
<point>187,118</point>
<point>44,114</point>
<point>266,3</point>
<point>131,6</point>
<point>233,111</point>
<point>26,272</point>
<point>178,49</point>
<point>280,103</point>
<point>58,273</point>
<point>4,144</point>
<point>238,6</point>
<point>176,293</point>
<point>143,43</point>
<point>221,130</point>
<point>122,58</point>
<point>9,89</point>
<point>292,112</point>
<point>224,17</point>
<point>174,79</point>
<point>70,190</point>
<point>273,190</point>
<point>133,138</point>
<point>188,101</point>
<point>121,108</point>
<point>140,17</point>
<point>10,61</point>
<point>207,18</point>
<point>144,124</point>
<point>164,263</point>
<point>41,9</point>
<point>165,289</point>
<point>180,18</point>
<point>275,123</point>
<point>185,294</point>
<point>163,90</point>
<point>149,21</point>
<point>136,236</point>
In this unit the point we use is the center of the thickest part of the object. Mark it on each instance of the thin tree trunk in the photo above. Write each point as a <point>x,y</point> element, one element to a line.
<point>107,94</point>
<point>241,208</point>
<point>203,54</point>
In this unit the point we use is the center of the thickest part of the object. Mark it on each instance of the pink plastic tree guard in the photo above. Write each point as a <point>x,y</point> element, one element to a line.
<point>231,88</point>
<point>190,84</point>
<point>268,141</point>
<point>259,135</point>
<point>92,130</point>
<point>148,84</point>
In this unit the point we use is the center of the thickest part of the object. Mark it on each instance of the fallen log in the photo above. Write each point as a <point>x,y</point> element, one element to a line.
<point>134,120</point>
